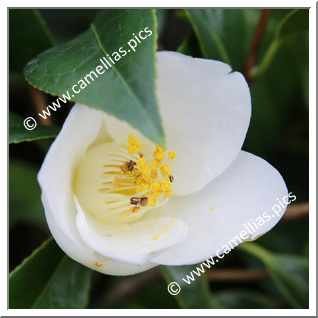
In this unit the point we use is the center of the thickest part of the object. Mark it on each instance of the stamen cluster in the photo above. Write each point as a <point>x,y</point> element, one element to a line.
<point>151,179</point>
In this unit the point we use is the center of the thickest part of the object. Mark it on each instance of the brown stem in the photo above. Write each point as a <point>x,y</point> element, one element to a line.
<point>296,211</point>
<point>256,42</point>
<point>131,286</point>
<point>236,274</point>
<point>40,102</point>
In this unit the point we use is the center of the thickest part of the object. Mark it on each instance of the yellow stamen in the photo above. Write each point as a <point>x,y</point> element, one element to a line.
<point>172,155</point>
<point>169,193</point>
<point>152,202</point>
<point>165,170</point>
<point>134,144</point>
<point>154,173</point>
<point>159,154</point>
<point>156,163</point>
<point>143,175</point>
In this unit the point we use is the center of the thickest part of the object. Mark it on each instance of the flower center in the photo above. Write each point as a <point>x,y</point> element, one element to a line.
<point>119,184</point>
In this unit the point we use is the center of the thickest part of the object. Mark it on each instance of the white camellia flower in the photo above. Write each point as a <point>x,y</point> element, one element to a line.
<point>120,205</point>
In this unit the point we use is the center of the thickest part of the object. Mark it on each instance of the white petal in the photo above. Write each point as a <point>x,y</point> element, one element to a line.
<point>77,250</point>
<point>134,242</point>
<point>112,267</point>
<point>56,174</point>
<point>82,128</point>
<point>249,188</point>
<point>205,111</point>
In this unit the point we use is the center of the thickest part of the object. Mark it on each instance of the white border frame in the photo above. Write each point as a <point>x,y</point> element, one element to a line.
<point>312,161</point>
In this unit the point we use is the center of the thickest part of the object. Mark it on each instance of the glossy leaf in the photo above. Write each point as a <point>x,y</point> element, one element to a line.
<point>290,273</point>
<point>193,295</point>
<point>18,133</point>
<point>220,33</point>
<point>48,279</point>
<point>28,36</point>
<point>127,88</point>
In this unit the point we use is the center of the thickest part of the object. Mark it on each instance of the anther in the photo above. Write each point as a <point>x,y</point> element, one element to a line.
<point>129,165</point>
<point>135,200</point>
<point>144,201</point>
<point>142,176</point>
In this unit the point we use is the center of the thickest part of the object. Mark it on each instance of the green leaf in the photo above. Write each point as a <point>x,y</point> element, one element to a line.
<point>18,132</point>
<point>281,239</point>
<point>28,37</point>
<point>295,22</point>
<point>127,89</point>
<point>190,46</point>
<point>193,295</point>
<point>161,15</point>
<point>277,96</point>
<point>290,273</point>
<point>48,279</point>
<point>24,195</point>
<point>124,292</point>
<point>243,299</point>
<point>221,34</point>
